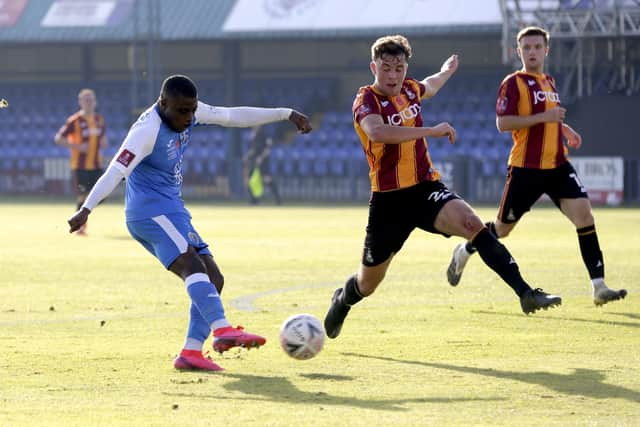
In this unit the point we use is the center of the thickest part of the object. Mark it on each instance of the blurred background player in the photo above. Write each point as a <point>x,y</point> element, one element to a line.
<point>84,134</point>
<point>529,106</point>
<point>150,160</point>
<point>406,191</point>
<point>257,170</point>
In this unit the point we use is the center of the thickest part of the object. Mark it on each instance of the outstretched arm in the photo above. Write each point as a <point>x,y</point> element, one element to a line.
<point>249,116</point>
<point>435,82</point>
<point>137,145</point>
<point>104,186</point>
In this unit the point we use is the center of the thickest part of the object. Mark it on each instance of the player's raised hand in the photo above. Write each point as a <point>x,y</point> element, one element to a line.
<point>450,65</point>
<point>444,129</point>
<point>78,219</point>
<point>301,121</point>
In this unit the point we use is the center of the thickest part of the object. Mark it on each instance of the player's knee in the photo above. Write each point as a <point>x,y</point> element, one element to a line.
<point>584,219</point>
<point>472,223</point>
<point>187,264</point>
<point>218,280</point>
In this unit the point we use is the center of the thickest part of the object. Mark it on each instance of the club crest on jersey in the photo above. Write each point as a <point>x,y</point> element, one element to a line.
<point>501,105</point>
<point>363,110</point>
<point>125,158</point>
<point>410,94</point>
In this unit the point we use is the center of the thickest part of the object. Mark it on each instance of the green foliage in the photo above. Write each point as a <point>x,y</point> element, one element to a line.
<point>89,326</point>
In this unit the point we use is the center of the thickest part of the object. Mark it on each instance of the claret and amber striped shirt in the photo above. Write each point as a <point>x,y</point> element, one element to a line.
<point>80,129</point>
<point>540,146</point>
<point>394,166</point>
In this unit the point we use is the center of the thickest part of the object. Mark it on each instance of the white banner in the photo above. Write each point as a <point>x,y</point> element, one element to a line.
<point>286,15</point>
<point>79,13</point>
<point>603,177</point>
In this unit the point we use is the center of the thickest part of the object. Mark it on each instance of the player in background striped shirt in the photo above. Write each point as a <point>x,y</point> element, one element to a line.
<point>406,191</point>
<point>529,106</point>
<point>84,135</point>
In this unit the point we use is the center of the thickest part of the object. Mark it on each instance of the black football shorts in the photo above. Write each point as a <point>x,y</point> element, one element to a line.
<point>524,187</point>
<point>393,215</point>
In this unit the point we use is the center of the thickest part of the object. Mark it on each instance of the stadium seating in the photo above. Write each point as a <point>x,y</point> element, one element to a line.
<point>332,150</point>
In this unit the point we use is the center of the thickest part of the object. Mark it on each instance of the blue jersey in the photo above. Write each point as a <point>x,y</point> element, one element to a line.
<point>151,156</point>
<point>154,184</point>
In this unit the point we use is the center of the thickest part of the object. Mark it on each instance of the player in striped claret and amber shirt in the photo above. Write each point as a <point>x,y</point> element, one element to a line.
<point>406,192</point>
<point>84,135</point>
<point>529,107</point>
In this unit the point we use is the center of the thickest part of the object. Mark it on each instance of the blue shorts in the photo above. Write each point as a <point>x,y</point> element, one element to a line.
<point>167,236</point>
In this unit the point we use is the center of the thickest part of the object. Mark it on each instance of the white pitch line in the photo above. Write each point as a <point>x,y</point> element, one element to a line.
<point>246,303</point>
<point>243,303</point>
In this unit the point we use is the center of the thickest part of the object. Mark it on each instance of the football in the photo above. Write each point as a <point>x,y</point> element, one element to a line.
<point>302,336</point>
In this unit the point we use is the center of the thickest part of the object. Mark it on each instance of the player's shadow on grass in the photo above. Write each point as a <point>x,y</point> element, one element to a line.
<point>280,389</point>
<point>573,319</point>
<point>327,377</point>
<point>629,315</point>
<point>582,382</point>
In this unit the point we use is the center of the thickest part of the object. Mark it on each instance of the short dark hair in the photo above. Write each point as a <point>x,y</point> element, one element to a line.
<point>178,85</point>
<point>391,45</point>
<point>533,31</point>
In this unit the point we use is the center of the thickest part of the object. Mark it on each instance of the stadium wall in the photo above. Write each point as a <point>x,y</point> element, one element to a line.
<point>345,60</point>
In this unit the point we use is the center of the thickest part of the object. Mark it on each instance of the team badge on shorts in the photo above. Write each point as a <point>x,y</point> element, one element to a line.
<point>193,237</point>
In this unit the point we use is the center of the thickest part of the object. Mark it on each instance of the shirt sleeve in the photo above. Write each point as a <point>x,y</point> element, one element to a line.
<point>239,116</point>
<point>508,98</point>
<point>365,104</point>
<point>137,145</point>
<point>422,88</point>
<point>103,187</point>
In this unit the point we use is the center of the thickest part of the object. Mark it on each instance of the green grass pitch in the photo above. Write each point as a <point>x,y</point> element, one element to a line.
<point>89,326</point>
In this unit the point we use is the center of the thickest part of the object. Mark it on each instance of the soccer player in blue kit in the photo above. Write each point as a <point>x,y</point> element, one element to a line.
<point>150,160</point>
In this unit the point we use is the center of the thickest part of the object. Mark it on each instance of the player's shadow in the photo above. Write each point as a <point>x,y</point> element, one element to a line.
<point>582,382</point>
<point>573,319</point>
<point>327,377</point>
<point>280,389</point>
<point>629,315</point>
